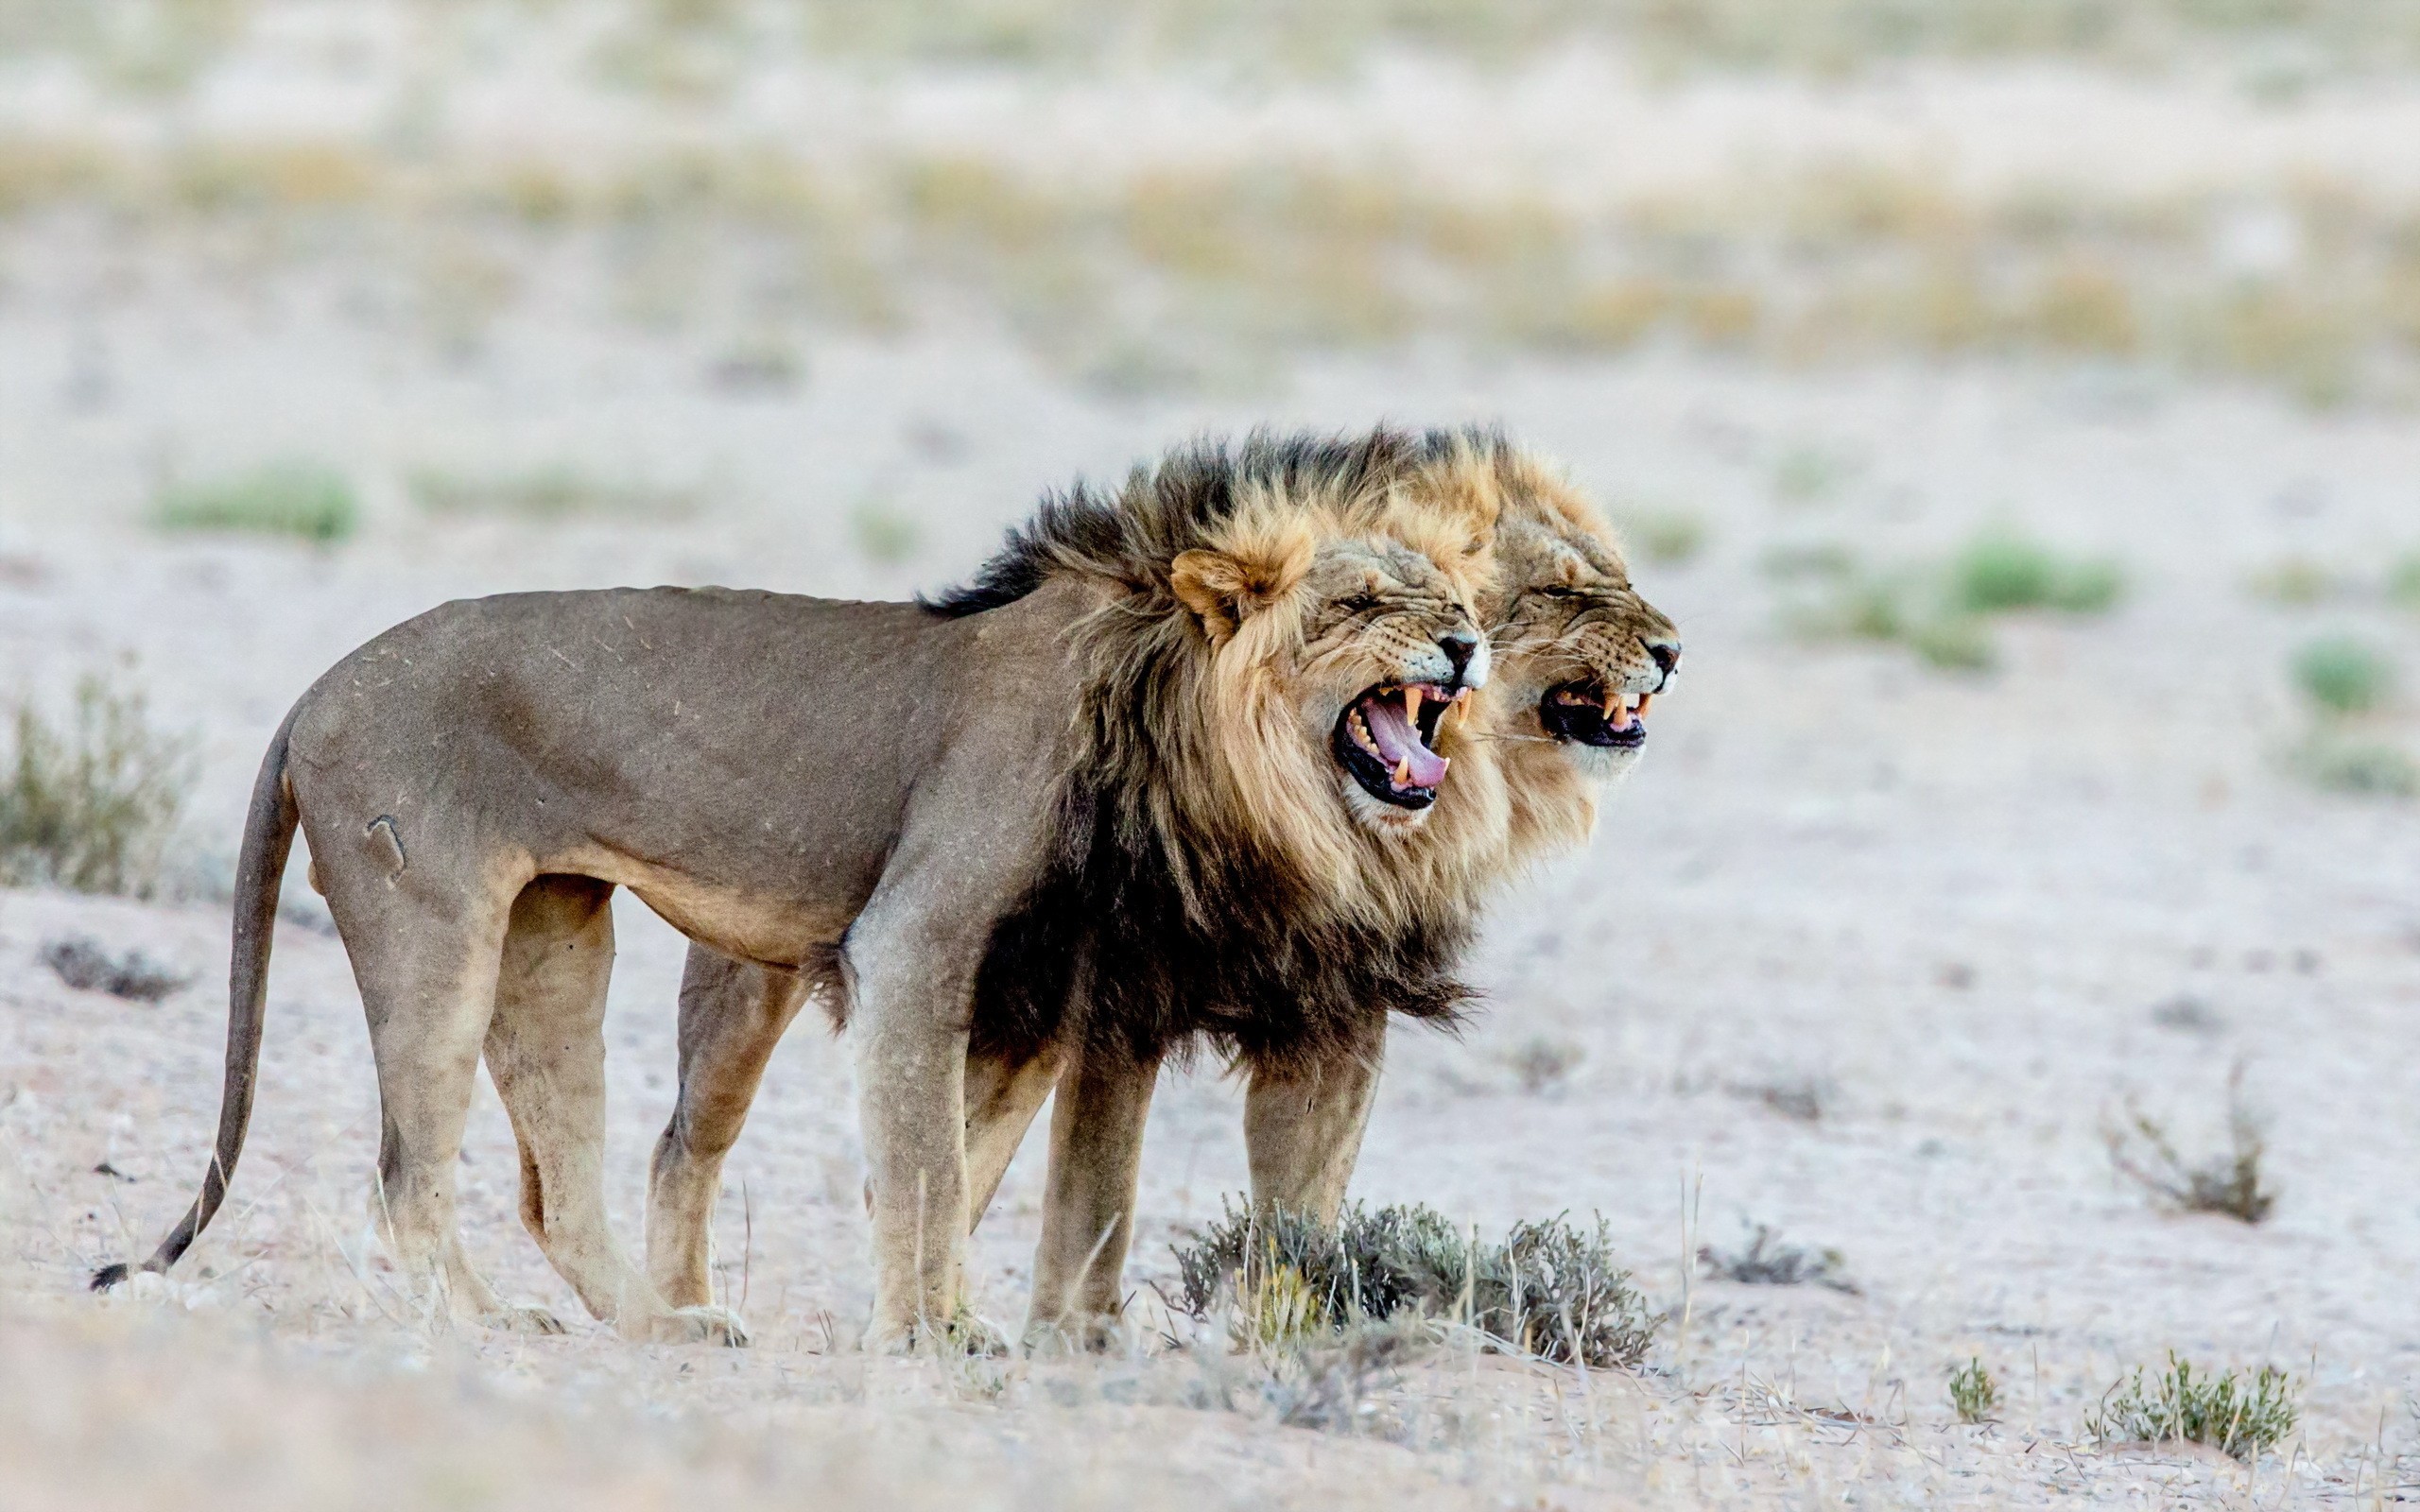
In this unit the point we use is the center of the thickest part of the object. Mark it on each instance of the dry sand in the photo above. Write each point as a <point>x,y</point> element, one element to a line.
<point>1955,917</point>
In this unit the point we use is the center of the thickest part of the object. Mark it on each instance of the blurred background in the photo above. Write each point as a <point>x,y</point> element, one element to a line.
<point>2015,402</point>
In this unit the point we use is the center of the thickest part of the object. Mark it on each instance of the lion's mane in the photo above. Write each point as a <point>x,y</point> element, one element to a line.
<point>1205,884</point>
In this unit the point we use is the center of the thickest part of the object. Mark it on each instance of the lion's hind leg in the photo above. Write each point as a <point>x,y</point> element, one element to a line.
<point>545,1049</point>
<point>732,1015</point>
<point>425,960</point>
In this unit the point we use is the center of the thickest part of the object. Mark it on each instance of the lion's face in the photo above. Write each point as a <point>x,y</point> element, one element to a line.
<point>1362,644</point>
<point>1391,651</point>
<point>1579,654</point>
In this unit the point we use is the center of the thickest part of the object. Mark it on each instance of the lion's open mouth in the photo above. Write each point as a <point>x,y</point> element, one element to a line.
<point>1384,739</point>
<point>1588,714</point>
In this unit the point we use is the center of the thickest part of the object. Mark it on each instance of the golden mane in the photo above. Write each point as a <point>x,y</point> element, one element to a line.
<point>1210,881</point>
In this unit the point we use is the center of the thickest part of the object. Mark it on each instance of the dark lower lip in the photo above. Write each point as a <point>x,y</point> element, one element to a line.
<point>1584,724</point>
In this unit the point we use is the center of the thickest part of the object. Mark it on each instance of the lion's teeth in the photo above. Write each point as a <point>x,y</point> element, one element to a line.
<point>1412,707</point>
<point>1644,699</point>
<point>1612,703</point>
<point>1402,772</point>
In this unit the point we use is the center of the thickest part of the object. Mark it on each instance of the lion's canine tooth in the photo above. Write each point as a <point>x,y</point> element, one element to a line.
<point>1612,701</point>
<point>1644,699</point>
<point>1402,772</point>
<point>1411,706</point>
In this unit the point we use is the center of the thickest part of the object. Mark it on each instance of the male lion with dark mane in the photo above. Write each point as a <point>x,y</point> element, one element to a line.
<point>1582,655</point>
<point>1174,768</point>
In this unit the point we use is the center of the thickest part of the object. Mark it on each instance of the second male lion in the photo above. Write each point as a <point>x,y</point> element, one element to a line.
<point>1580,656</point>
<point>1177,767</point>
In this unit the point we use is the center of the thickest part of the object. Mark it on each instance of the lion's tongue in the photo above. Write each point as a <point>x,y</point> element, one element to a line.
<point>1400,744</point>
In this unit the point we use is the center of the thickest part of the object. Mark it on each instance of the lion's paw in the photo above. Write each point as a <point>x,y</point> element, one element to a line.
<point>964,1334</point>
<point>523,1318</point>
<point>696,1325</point>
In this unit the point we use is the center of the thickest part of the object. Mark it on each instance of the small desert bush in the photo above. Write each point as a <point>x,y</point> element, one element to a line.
<point>2403,581</point>
<point>90,803</point>
<point>1547,1288</point>
<point>1542,1062</point>
<point>305,500</point>
<point>87,966</point>
<point>2363,768</point>
<point>2231,1184</point>
<point>2344,675</point>
<point>1999,572</point>
<point>1764,1261</point>
<point>545,493</point>
<point>1972,1394</point>
<point>2240,1415</point>
<point>1942,611</point>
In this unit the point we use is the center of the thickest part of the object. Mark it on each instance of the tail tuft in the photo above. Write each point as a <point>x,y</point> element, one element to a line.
<point>108,1276</point>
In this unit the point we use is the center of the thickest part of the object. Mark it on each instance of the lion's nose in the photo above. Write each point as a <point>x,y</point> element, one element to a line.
<point>1458,646</point>
<point>1667,659</point>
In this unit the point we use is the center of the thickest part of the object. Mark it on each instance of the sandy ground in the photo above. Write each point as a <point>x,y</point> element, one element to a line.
<point>1948,905</point>
<point>1958,918</point>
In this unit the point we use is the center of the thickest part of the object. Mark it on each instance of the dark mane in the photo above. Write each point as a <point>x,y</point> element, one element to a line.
<point>1153,930</point>
<point>1164,508</point>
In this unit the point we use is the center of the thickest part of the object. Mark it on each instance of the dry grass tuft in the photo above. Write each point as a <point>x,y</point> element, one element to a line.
<point>547,493</point>
<point>1541,1064</point>
<point>1764,1261</point>
<point>2230,1184</point>
<point>1546,1289</point>
<point>92,804</point>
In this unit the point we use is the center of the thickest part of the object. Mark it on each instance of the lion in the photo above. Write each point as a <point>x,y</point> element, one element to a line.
<point>1175,767</point>
<point>1580,658</point>
<point>1569,628</point>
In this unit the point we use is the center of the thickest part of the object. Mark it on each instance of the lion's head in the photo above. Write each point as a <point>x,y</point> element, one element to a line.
<point>1579,655</point>
<point>1281,810</point>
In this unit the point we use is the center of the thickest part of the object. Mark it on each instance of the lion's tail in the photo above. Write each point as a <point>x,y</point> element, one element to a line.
<point>268,838</point>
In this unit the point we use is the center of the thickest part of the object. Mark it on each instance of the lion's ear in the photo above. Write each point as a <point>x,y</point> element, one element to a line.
<point>1225,590</point>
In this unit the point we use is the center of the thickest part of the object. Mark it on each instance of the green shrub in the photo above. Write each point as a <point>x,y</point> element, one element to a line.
<point>2344,675</point>
<point>300,499</point>
<point>885,532</point>
<point>90,805</point>
<point>1973,1393</point>
<point>2403,581</point>
<point>1667,537</point>
<point>2238,1415</point>
<point>1547,1288</point>
<point>1999,572</point>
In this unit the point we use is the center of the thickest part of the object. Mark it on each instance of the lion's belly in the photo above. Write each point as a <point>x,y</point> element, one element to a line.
<point>748,924</point>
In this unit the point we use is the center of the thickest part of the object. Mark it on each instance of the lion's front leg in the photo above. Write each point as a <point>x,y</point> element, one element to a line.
<point>1088,1217</point>
<point>1303,1125</point>
<point>908,1025</point>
